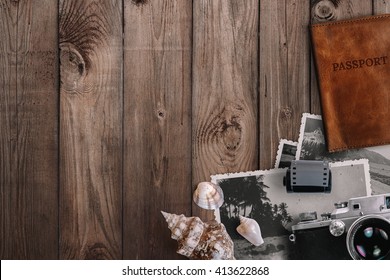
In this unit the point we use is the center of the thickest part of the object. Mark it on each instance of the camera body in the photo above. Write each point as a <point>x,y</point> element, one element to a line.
<point>358,229</point>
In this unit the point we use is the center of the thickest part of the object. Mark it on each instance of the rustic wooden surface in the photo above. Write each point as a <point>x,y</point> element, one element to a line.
<point>28,130</point>
<point>90,40</point>
<point>224,88</point>
<point>284,79</point>
<point>111,111</point>
<point>157,124</point>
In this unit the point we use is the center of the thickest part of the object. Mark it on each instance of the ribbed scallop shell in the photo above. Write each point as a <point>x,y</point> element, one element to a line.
<point>250,230</point>
<point>198,240</point>
<point>208,196</point>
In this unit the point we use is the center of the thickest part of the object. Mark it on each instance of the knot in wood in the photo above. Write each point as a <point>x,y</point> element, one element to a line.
<point>231,133</point>
<point>286,113</point>
<point>72,66</point>
<point>139,2</point>
<point>161,113</point>
<point>324,10</point>
<point>97,251</point>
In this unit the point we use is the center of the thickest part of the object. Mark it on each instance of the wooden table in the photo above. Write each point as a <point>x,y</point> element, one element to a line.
<point>111,111</point>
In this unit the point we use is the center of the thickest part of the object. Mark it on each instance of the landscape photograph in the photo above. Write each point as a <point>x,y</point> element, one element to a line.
<point>312,146</point>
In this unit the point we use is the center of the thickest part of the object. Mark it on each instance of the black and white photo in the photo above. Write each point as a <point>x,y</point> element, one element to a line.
<point>286,153</point>
<point>312,146</point>
<point>261,195</point>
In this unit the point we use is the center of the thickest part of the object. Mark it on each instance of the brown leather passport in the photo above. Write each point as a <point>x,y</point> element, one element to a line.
<point>353,72</point>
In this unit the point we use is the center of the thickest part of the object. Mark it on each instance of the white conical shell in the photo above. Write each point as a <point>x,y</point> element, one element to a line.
<point>208,196</point>
<point>250,230</point>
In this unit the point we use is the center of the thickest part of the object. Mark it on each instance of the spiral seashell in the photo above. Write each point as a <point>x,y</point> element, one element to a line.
<point>198,240</point>
<point>208,196</point>
<point>250,230</point>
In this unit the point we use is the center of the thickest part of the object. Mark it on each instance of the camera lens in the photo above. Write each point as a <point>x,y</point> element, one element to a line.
<point>368,238</point>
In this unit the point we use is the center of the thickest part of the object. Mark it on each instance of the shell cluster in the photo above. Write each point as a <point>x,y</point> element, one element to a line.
<point>208,196</point>
<point>250,230</point>
<point>198,240</point>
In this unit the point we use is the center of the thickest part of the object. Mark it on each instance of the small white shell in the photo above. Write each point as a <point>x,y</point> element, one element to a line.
<point>250,230</point>
<point>208,196</point>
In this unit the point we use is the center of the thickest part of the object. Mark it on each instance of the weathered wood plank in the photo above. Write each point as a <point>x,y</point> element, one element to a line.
<point>225,95</point>
<point>157,124</point>
<point>272,76</point>
<point>298,67</point>
<point>28,130</point>
<point>327,10</point>
<point>284,69</point>
<point>91,129</point>
<point>381,6</point>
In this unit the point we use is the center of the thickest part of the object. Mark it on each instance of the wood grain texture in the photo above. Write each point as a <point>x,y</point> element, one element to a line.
<point>298,67</point>
<point>225,95</point>
<point>273,73</point>
<point>284,68</point>
<point>381,6</point>
<point>328,10</point>
<point>146,103</point>
<point>91,129</point>
<point>28,130</point>
<point>157,124</point>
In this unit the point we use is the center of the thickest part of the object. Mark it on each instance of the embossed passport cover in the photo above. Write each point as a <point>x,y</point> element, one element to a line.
<point>353,71</point>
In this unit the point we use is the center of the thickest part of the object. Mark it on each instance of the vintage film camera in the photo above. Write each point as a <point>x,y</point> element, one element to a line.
<point>357,229</point>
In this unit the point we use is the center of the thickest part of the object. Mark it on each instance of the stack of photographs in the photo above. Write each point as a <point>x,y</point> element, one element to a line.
<point>262,196</point>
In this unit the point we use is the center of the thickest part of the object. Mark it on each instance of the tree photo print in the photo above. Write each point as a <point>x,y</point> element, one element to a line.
<point>247,196</point>
<point>262,196</point>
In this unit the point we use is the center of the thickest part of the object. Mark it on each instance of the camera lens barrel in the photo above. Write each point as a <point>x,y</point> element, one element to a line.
<point>368,238</point>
